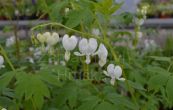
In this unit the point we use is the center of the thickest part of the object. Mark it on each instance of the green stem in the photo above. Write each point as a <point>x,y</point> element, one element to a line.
<point>34,106</point>
<point>17,42</point>
<point>169,67</point>
<point>86,70</point>
<point>2,51</point>
<point>136,39</point>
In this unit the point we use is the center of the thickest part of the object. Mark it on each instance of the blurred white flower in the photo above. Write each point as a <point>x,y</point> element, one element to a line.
<point>67,10</point>
<point>150,45</point>
<point>139,21</point>
<point>102,54</point>
<point>10,41</point>
<point>51,39</point>
<point>69,43</point>
<point>114,72</point>
<point>88,48</point>
<point>1,62</point>
<point>63,63</point>
<point>36,52</point>
<point>96,31</point>
<point>41,38</point>
<point>139,35</point>
<point>30,59</point>
<point>3,109</point>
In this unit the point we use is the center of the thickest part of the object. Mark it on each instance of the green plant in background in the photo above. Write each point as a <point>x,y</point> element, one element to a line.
<point>82,71</point>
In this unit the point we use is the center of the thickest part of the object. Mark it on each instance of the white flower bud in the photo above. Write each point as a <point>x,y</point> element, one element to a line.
<point>1,62</point>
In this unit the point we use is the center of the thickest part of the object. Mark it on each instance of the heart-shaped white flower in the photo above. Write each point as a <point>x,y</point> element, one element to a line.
<point>88,48</point>
<point>10,41</point>
<point>1,62</point>
<point>69,43</point>
<point>139,35</point>
<point>114,72</point>
<point>139,21</point>
<point>102,54</point>
<point>41,38</point>
<point>3,109</point>
<point>51,39</point>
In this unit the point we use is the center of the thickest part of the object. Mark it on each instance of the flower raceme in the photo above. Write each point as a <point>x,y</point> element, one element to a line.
<point>114,72</point>
<point>1,62</point>
<point>87,48</point>
<point>69,43</point>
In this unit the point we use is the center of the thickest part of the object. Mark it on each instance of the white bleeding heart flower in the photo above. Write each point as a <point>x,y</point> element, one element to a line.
<point>1,62</point>
<point>114,72</point>
<point>87,48</point>
<point>96,31</point>
<point>10,41</point>
<point>102,54</point>
<point>69,43</point>
<point>139,21</point>
<point>41,38</point>
<point>139,35</point>
<point>51,39</point>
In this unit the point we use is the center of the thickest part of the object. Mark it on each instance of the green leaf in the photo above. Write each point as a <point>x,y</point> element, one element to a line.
<point>158,70</point>
<point>121,102</point>
<point>55,13</point>
<point>106,106</point>
<point>90,103</point>
<point>136,85</point>
<point>49,78</point>
<point>76,17</point>
<point>67,93</point>
<point>32,88</point>
<point>60,72</point>
<point>165,59</point>
<point>115,8</point>
<point>5,79</point>
<point>169,90</point>
<point>157,81</point>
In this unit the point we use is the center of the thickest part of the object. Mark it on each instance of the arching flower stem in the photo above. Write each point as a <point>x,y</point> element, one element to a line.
<point>86,35</point>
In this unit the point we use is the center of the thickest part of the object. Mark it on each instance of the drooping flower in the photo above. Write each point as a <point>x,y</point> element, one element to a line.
<point>87,48</point>
<point>139,21</point>
<point>10,41</point>
<point>139,35</point>
<point>1,62</point>
<point>102,54</point>
<point>114,72</point>
<point>96,31</point>
<point>69,43</point>
<point>41,38</point>
<point>51,39</point>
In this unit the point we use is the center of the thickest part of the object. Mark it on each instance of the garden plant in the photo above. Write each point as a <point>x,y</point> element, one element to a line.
<point>75,62</point>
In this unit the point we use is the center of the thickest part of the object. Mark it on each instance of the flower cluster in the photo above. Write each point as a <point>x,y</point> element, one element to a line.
<point>139,20</point>
<point>50,38</point>
<point>1,62</point>
<point>87,47</point>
